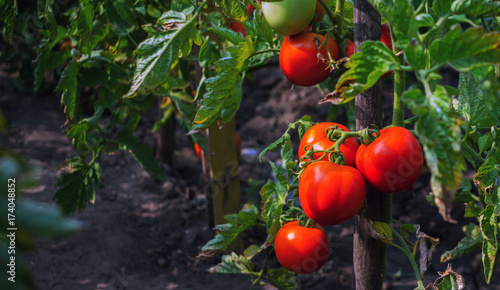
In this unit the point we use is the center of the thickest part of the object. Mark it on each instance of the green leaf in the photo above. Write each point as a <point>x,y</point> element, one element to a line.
<point>471,101</point>
<point>473,239</point>
<point>76,188</point>
<point>484,142</point>
<point>233,9</point>
<point>383,229</point>
<point>252,251</point>
<point>487,179</point>
<point>68,84</point>
<point>44,7</point>
<point>160,52</point>
<point>43,57</point>
<point>233,264</point>
<point>488,223</point>
<point>438,128</point>
<point>275,145</point>
<point>219,88</point>
<point>237,223</point>
<point>120,18</point>
<point>476,7</point>
<point>365,69</point>
<point>209,53</point>
<point>228,34</point>
<point>286,153</point>
<point>424,20</point>
<point>273,200</point>
<point>442,7</point>
<point>142,153</point>
<point>8,14</point>
<point>281,278</point>
<point>450,280</point>
<point>402,18</point>
<point>464,50</point>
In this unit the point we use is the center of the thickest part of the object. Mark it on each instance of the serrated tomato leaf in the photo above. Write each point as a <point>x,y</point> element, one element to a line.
<point>160,52</point>
<point>237,223</point>
<point>471,100</point>
<point>77,186</point>
<point>488,223</point>
<point>219,89</point>
<point>233,9</point>
<point>475,7</point>
<point>365,69</point>
<point>473,239</point>
<point>233,264</point>
<point>465,49</point>
<point>438,128</point>
<point>68,84</point>
<point>142,153</point>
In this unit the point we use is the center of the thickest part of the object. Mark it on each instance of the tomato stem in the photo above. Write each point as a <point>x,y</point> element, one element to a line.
<point>407,252</point>
<point>398,111</point>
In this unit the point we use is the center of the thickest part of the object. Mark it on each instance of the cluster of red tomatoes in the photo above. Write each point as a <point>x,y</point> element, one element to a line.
<point>331,194</point>
<point>304,57</point>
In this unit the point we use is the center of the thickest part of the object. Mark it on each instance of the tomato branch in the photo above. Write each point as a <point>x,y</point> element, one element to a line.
<point>408,253</point>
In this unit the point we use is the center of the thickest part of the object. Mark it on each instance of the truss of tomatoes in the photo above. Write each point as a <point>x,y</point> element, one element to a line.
<point>331,194</point>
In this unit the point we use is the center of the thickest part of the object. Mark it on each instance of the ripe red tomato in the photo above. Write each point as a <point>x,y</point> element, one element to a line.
<point>300,249</point>
<point>316,136</point>
<point>299,58</point>
<point>393,162</point>
<point>250,9</point>
<point>238,27</point>
<point>385,37</point>
<point>289,17</point>
<point>238,147</point>
<point>331,194</point>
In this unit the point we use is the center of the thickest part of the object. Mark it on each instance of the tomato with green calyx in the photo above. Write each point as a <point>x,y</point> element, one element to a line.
<point>331,194</point>
<point>289,17</point>
<point>302,62</point>
<point>316,136</point>
<point>393,162</point>
<point>238,27</point>
<point>300,249</point>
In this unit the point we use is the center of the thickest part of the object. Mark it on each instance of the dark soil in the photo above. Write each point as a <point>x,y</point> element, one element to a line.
<point>140,231</point>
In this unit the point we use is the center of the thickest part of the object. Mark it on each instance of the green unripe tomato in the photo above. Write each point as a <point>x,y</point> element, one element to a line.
<point>289,17</point>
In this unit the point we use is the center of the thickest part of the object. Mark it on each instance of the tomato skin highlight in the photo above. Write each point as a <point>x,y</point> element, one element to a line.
<point>299,58</point>
<point>300,249</point>
<point>393,162</point>
<point>238,27</point>
<point>331,194</point>
<point>316,136</point>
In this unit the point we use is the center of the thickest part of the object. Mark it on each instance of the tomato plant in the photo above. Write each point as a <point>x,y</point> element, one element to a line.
<point>393,162</point>
<point>126,56</point>
<point>289,17</point>
<point>331,194</point>
<point>317,139</point>
<point>302,249</point>
<point>302,62</point>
